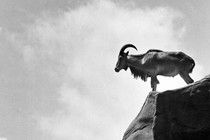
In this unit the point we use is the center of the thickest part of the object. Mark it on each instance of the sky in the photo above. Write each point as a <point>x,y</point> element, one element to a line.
<point>57,60</point>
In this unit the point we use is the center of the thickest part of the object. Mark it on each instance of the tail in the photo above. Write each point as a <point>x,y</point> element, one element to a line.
<point>193,65</point>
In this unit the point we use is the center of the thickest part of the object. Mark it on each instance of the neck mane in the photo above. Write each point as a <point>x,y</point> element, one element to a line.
<point>138,73</point>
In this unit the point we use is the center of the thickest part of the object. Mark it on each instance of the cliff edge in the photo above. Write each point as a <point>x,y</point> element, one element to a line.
<point>179,114</point>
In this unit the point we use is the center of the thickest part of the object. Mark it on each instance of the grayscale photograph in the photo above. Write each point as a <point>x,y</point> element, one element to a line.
<point>104,70</point>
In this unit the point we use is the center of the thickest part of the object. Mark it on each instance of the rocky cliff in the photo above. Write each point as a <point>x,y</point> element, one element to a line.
<point>180,114</point>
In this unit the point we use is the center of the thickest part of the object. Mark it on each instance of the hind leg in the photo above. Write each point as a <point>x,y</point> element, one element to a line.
<point>186,78</point>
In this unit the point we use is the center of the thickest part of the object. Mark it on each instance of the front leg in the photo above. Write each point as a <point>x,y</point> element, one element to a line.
<point>154,82</point>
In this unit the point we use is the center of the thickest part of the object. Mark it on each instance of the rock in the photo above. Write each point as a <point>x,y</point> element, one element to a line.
<point>141,126</point>
<point>180,114</point>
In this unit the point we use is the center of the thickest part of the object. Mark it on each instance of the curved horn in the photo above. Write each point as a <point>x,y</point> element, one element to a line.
<point>125,47</point>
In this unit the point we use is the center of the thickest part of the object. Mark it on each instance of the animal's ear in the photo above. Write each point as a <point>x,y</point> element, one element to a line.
<point>127,53</point>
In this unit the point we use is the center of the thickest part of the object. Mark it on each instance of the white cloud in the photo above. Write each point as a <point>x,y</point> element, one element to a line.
<point>3,138</point>
<point>80,48</point>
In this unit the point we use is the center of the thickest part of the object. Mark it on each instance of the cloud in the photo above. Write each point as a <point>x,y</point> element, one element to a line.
<point>3,138</point>
<point>79,50</point>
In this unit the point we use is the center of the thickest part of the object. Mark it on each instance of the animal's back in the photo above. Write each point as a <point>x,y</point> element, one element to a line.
<point>166,56</point>
<point>168,63</point>
<point>154,50</point>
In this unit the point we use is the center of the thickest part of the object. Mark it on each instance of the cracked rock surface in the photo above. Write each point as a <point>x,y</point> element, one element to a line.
<point>179,114</point>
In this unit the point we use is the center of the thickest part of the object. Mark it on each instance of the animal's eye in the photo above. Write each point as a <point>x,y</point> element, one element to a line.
<point>120,57</point>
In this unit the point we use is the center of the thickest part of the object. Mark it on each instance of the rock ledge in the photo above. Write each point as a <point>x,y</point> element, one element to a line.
<point>179,114</point>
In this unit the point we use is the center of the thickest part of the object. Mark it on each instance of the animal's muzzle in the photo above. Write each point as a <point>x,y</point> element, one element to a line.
<point>116,70</point>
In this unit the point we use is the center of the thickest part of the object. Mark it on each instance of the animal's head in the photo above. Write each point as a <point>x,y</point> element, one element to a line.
<point>122,58</point>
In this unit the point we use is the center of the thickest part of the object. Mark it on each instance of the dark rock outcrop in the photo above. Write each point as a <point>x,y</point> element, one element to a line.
<point>180,114</point>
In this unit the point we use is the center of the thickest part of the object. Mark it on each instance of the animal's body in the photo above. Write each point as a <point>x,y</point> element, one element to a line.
<point>154,63</point>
